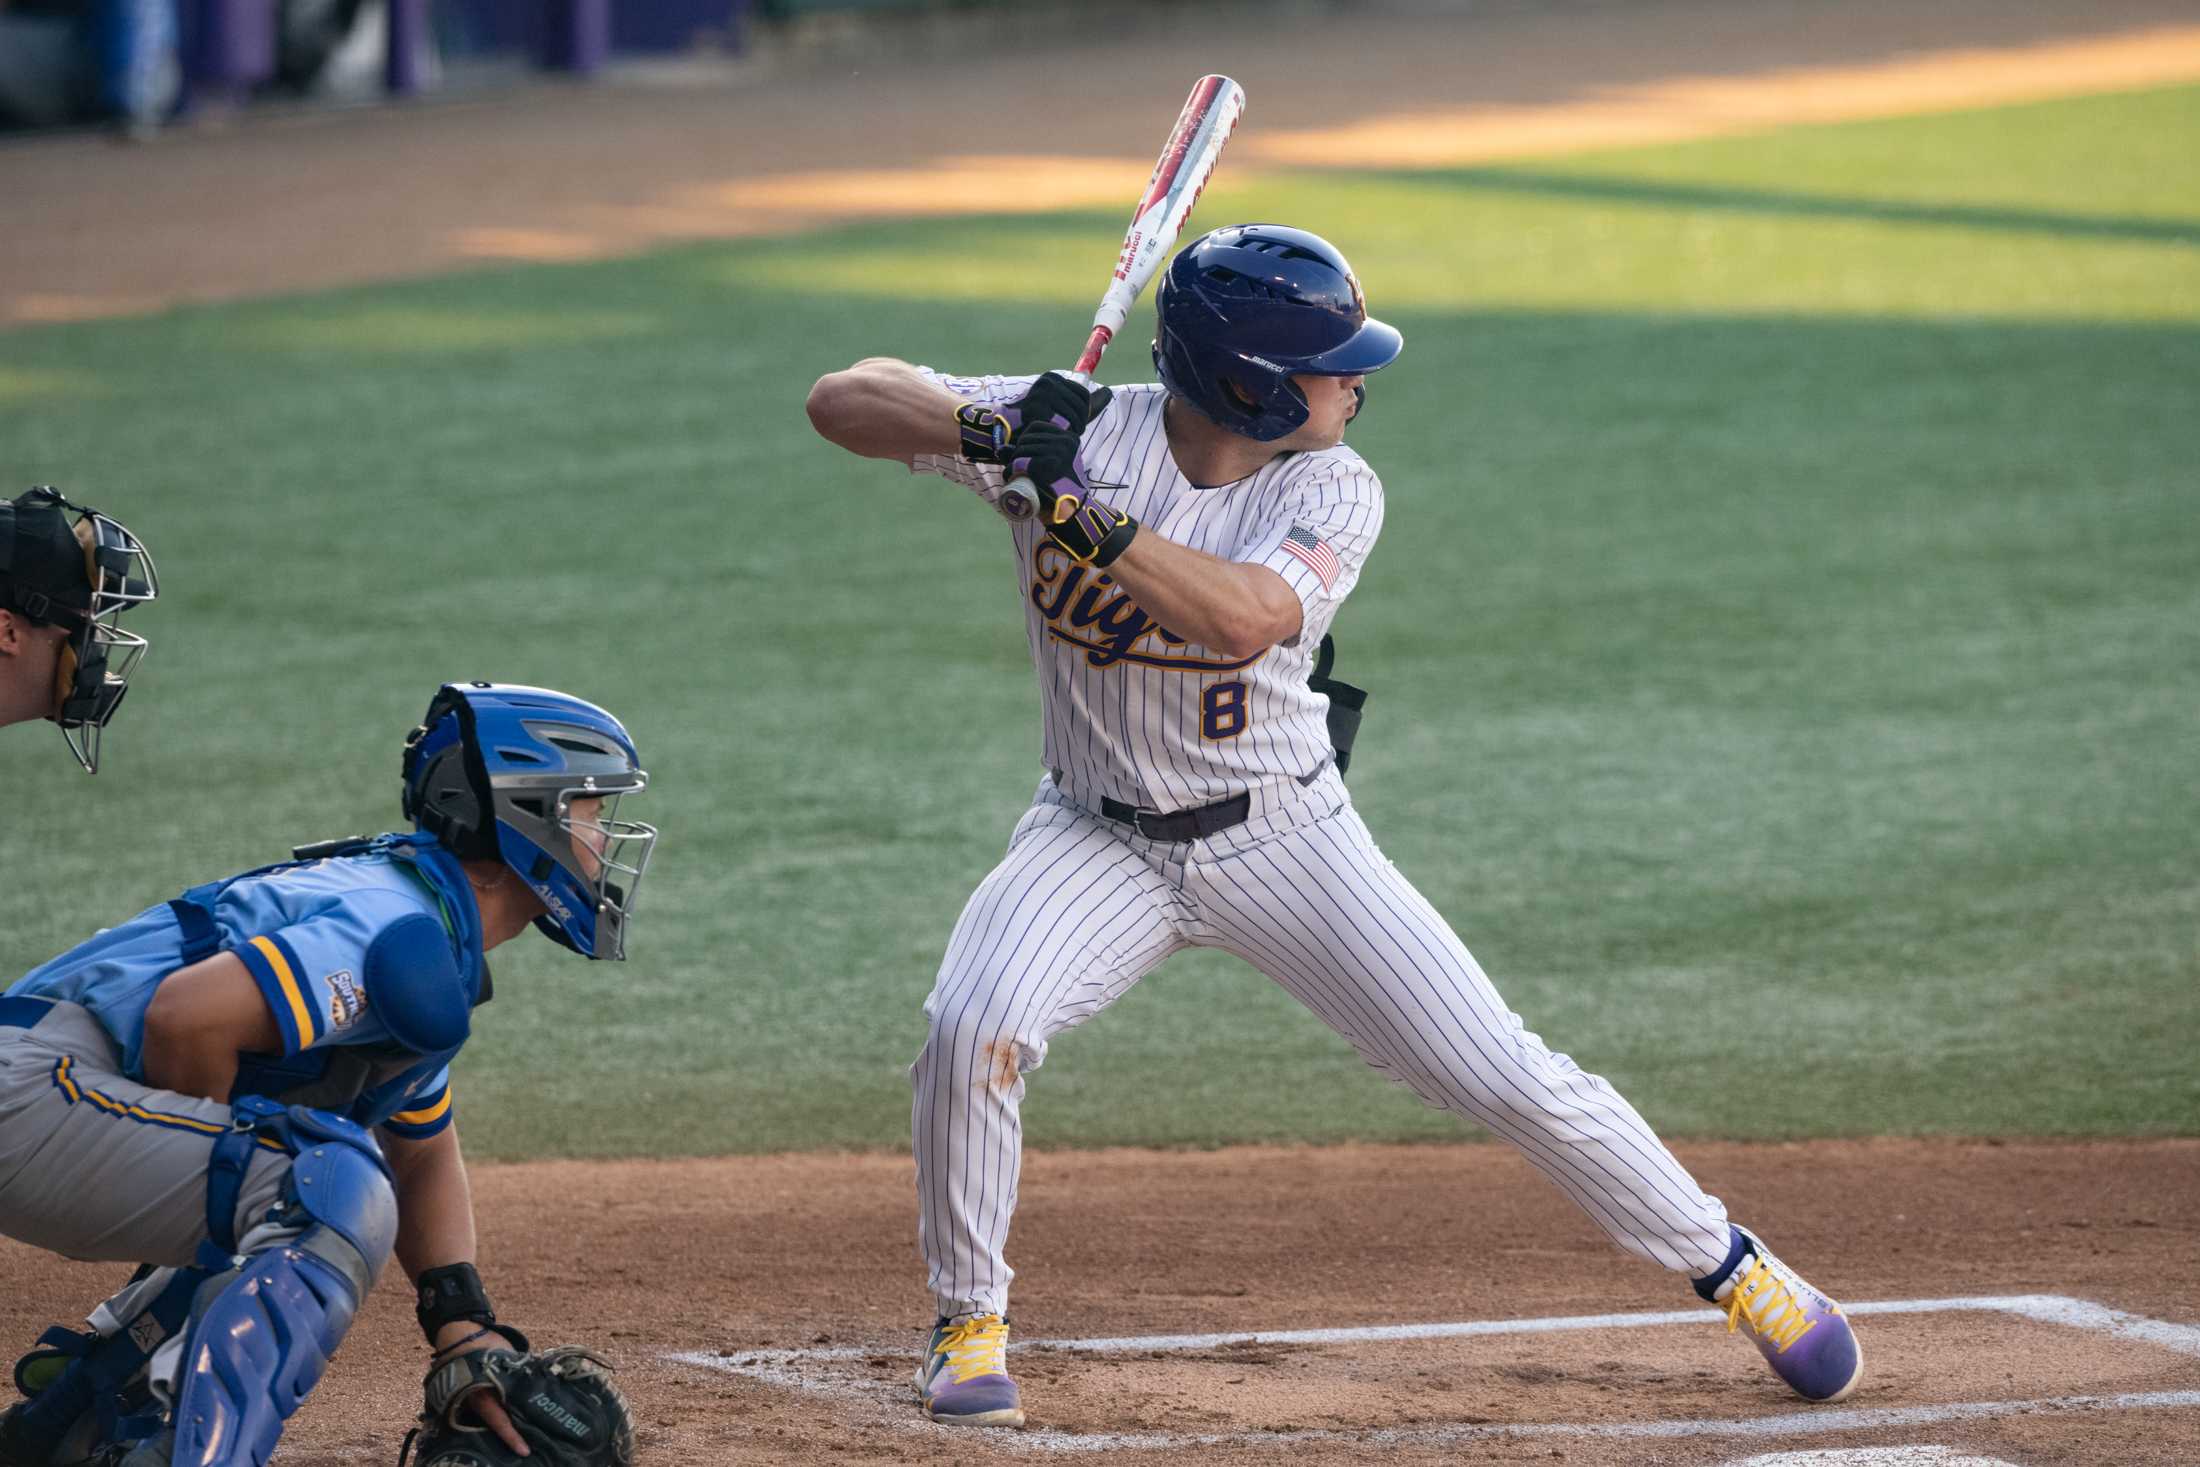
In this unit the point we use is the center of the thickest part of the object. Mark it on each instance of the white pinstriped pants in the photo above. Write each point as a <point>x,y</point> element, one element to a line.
<point>1081,908</point>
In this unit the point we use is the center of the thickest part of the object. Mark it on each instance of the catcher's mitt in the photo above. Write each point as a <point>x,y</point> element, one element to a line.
<point>561,1401</point>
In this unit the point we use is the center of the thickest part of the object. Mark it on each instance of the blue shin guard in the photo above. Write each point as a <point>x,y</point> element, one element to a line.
<point>262,1336</point>
<point>257,1349</point>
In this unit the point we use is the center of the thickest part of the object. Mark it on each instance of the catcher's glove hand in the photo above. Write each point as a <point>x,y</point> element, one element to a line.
<point>561,1402</point>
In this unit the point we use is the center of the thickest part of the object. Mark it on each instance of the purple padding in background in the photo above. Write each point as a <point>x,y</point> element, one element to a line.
<point>671,25</point>
<point>228,45</point>
<point>408,28</point>
<point>577,34</point>
<point>543,27</point>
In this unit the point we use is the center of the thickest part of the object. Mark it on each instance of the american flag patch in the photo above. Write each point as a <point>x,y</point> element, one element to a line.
<point>1315,551</point>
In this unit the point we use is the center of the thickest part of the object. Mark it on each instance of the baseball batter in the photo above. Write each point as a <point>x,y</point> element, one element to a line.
<point>67,573</point>
<point>247,1090</point>
<point>1181,550</point>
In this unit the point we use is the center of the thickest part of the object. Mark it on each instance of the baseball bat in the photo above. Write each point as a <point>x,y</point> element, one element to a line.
<point>1187,161</point>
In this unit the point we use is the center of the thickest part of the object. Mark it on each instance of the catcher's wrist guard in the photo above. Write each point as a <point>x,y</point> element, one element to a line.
<point>984,432</point>
<point>1093,532</point>
<point>450,1293</point>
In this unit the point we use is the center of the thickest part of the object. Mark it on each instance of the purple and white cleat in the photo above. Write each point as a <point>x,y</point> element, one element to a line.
<point>964,1379</point>
<point>1802,1334</point>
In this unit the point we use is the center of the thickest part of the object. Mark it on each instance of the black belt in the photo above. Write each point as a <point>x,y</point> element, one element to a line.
<point>1194,824</point>
<point>23,1012</point>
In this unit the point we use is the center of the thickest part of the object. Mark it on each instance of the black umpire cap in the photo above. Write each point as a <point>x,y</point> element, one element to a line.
<point>43,574</point>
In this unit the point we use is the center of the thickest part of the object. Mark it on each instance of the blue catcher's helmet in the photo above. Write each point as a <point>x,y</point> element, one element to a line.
<point>493,772</point>
<point>1243,308</point>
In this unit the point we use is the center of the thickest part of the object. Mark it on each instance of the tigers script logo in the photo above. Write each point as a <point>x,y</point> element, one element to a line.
<point>1088,610</point>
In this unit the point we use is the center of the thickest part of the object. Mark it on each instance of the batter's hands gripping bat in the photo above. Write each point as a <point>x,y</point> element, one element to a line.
<point>1187,161</point>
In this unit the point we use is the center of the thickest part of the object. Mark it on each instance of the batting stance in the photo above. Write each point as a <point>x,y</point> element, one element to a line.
<point>1181,556</point>
<point>67,573</point>
<point>247,1089</point>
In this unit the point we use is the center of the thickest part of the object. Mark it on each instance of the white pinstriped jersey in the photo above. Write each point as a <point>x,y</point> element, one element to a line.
<point>1134,713</point>
<point>1082,906</point>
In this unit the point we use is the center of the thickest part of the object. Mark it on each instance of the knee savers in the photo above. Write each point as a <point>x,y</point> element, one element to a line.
<point>261,1335</point>
<point>339,1184</point>
<point>337,1178</point>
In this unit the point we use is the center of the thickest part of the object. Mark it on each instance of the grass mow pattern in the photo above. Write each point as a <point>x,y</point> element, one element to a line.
<point>1782,646</point>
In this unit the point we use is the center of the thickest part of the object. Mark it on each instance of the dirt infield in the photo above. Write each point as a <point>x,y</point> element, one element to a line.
<point>796,1280</point>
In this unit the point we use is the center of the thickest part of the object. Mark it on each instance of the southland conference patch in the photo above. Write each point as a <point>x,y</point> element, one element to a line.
<point>347,1000</point>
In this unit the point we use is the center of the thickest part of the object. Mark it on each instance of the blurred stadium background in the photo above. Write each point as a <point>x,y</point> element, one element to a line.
<point>1782,647</point>
<point>147,62</point>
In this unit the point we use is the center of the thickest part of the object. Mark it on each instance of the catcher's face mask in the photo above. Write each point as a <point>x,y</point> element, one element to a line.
<point>611,855</point>
<point>584,862</point>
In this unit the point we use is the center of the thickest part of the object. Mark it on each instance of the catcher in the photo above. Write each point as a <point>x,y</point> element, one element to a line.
<point>247,1090</point>
<point>67,573</point>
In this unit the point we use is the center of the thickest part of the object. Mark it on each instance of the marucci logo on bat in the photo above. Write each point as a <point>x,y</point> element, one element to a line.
<point>1131,247</point>
<point>1087,610</point>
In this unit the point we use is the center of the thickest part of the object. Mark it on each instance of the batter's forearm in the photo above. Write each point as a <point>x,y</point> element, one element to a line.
<point>883,408</point>
<point>1232,607</point>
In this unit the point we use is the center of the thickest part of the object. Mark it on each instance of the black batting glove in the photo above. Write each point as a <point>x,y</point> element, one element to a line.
<point>1068,402</point>
<point>1051,457</point>
<point>987,433</point>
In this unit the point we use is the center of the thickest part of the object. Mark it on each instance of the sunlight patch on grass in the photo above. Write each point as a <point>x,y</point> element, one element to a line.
<point>34,384</point>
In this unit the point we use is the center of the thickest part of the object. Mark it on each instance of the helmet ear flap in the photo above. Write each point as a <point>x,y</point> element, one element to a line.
<point>447,793</point>
<point>1236,394</point>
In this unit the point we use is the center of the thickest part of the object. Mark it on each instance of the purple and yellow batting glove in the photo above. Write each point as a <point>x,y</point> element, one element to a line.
<point>987,433</point>
<point>1093,532</point>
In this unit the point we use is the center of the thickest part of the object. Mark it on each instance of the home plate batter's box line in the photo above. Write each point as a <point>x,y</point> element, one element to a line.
<point>790,1368</point>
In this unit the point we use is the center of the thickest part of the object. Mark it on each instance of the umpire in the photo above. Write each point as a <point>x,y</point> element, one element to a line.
<point>67,573</point>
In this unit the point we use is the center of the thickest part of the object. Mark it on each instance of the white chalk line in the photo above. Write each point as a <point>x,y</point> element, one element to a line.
<point>2042,1308</point>
<point>1915,1456</point>
<point>788,1368</point>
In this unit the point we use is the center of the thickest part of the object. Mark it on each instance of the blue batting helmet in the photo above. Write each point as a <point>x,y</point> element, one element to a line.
<point>493,772</point>
<point>1243,308</point>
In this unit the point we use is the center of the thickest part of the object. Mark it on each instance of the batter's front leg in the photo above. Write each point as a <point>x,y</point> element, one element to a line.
<point>1068,921</point>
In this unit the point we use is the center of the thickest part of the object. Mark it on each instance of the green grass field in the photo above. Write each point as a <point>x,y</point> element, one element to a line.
<point>1786,644</point>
